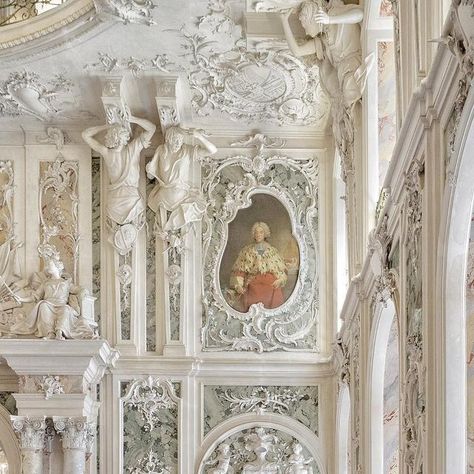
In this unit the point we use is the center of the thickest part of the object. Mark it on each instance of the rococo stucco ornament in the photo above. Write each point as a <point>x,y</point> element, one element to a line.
<point>125,203</point>
<point>260,450</point>
<point>150,410</point>
<point>26,93</point>
<point>268,84</point>
<point>228,186</point>
<point>126,11</point>
<point>51,385</point>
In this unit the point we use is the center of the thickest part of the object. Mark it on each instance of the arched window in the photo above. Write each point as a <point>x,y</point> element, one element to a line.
<point>343,430</point>
<point>384,391</point>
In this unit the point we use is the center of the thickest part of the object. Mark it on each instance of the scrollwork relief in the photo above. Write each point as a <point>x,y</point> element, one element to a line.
<point>150,423</point>
<point>299,402</point>
<point>269,84</point>
<point>26,93</point>
<point>128,11</point>
<point>58,210</point>
<point>228,185</point>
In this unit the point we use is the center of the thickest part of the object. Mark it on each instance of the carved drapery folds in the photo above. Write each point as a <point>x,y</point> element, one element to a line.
<point>228,185</point>
<point>414,401</point>
<point>150,410</point>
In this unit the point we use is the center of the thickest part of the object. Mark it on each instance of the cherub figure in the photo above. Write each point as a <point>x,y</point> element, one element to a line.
<point>336,46</point>
<point>297,463</point>
<point>175,199</point>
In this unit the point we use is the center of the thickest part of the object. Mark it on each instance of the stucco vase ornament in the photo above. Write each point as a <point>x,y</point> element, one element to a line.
<point>121,153</point>
<point>175,199</point>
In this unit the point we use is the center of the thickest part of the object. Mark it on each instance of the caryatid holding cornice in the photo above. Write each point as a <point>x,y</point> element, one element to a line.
<point>176,201</point>
<point>336,46</point>
<point>121,154</point>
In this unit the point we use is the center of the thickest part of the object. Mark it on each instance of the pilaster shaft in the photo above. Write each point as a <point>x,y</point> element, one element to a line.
<point>74,434</point>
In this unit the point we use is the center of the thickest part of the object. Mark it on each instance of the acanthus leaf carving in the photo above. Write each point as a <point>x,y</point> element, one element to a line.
<point>30,430</point>
<point>74,431</point>
<point>149,396</point>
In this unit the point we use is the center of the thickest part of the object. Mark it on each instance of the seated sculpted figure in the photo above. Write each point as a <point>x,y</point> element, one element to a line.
<point>259,273</point>
<point>125,204</point>
<point>336,47</point>
<point>175,199</point>
<point>57,312</point>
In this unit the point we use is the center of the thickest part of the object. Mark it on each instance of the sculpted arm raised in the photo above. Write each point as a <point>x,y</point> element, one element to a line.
<point>347,14</point>
<point>206,144</point>
<point>309,47</point>
<point>148,127</point>
<point>88,135</point>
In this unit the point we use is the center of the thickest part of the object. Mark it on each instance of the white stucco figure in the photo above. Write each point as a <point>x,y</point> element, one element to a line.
<point>9,262</point>
<point>125,204</point>
<point>56,313</point>
<point>336,46</point>
<point>260,443</point>
<point>297,463</point>
<point>176,201</point>
<point>222,460</point>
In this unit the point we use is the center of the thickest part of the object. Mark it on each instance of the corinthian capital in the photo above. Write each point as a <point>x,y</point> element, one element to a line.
<point>30,431</point>
<point>74,431</point>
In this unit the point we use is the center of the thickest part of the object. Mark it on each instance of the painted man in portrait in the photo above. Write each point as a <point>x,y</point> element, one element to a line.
<point>259,273</point>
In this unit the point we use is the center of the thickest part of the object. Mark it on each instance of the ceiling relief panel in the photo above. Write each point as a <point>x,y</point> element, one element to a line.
<point>27,93</point>
<point>224,74</point>
<point>266,83</point>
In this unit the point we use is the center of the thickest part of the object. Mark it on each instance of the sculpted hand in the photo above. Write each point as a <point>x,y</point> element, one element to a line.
<point>322,17</point>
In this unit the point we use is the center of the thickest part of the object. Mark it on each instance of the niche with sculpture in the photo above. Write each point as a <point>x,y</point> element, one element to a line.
<point>260,237</point>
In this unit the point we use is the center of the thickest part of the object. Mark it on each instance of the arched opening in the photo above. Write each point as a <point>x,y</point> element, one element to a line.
<point>10,461</point>
<point>380,104</point>
<point>343,430</point>
<point>453,250</point>
<point>384,387</point>
<point>340,234</point>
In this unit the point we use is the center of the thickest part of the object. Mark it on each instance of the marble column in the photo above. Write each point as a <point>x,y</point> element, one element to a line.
<point>74,434</point>
<point>31,431</point>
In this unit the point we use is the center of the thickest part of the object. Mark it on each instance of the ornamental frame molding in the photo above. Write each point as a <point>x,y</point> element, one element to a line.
<point>162,397</point>
<point>262,330</point>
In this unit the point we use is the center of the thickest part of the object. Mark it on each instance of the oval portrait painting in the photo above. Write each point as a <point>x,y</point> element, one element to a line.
<point>261,260</point>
